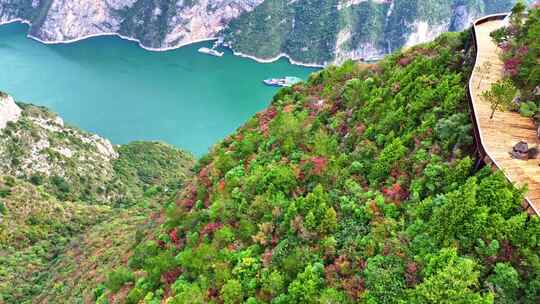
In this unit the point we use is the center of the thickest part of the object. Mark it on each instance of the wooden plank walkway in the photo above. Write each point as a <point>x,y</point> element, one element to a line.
<point>497,136</point>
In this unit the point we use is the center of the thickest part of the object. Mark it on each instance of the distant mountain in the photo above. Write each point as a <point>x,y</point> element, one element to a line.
<point>307,31</point>
<point>323,31</point>
<point>157,24</point>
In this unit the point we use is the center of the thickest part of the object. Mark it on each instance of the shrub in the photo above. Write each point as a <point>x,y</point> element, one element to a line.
<point>118,278</point>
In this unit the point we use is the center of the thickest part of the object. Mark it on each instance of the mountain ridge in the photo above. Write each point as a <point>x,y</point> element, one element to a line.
<point>353,29</point>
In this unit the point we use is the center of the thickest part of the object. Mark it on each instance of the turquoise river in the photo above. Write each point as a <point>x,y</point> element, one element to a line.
<point>120,91</point>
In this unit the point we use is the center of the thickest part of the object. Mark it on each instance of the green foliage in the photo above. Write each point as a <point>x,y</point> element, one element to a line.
<point>449,279</point>
<point>384,277</point>
<point>317,31</point>
<point>505,283</point>
<point>232,293</point>
<point>355,187</point>
<point>528,109</point>
<point>389,155</point>
<point>500,95</point>
<point>117,278</point>
<point>454,131</point>
<point>59,235</point>
<point>307,286</point>
<point>521,53</point>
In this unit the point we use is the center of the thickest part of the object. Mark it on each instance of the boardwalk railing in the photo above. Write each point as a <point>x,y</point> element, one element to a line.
<point>479,140</point>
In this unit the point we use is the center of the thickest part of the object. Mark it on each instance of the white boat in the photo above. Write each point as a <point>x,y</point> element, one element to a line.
<point>210,51</point>
<point>282,82</point>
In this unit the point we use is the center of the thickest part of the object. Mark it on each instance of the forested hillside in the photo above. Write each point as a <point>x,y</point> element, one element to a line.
<point>72,205</point>
<point>357,186</point>
<point>326,31</point>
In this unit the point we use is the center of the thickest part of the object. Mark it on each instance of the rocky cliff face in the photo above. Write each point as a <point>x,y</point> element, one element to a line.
<point>331,31</point>
<point>307,31</point>
<point>157,24</point>
<point>37,145</point>
<point>9,111</point>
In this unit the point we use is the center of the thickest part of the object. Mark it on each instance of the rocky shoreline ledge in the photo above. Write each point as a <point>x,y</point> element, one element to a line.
<point>164,49</point>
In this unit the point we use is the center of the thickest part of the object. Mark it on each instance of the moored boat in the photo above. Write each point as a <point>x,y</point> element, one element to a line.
<point>210,51</point>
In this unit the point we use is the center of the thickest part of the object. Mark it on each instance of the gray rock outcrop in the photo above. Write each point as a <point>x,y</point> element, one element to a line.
<point>9,111</point>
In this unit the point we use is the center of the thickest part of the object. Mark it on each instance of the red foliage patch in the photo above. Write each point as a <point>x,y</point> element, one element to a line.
<point>213,293</point>
<point>266,258</point>
<point>210,228</point>
<point>411,274</point>
<point>177,241</point>
<point>204,176</point>
<point>315,107</point>
<point>511,66</point>
<point>336,107</point>
<point>331,274</point>
<point>404,61</point>
<point>265,118</point>
<point>396,193</point>
<point>360,128</point>
<point>505,46</point>
<point>506,253</point>
<point>288,108</point>
<point>343,129</point>
<point>161,244</point>
<point>190,196</point>
<point>221,185</point>
<point>354,287</point>
<point>319,164</point>
<point>169,277</point>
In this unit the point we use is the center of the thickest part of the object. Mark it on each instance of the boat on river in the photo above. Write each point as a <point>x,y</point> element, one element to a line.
<point>282,82</point>
<point>210,51</point>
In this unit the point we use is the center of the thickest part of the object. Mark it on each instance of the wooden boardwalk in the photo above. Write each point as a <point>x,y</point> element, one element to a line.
<point>497,136</point>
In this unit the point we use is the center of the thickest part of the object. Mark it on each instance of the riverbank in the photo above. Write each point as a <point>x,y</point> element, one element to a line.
<point>276,58</point>
<point>164,49</point>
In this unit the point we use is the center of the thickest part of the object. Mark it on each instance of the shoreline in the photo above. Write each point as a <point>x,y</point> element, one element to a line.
<point>164,49</point>
<point>276,58</point>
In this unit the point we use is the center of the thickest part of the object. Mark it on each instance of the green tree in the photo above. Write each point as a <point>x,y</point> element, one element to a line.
<point>307,286</point>
<point>500,95</point>
<point>518,14</point>
<point>232,293</point>
<point>505,283</point>
<point>450,279</point>
<point>384,277</point>
<point>117,278</point>
<point>273,283</point>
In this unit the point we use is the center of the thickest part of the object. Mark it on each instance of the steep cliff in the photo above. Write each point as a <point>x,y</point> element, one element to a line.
<point>307,31</point>
<point>324,31</point>
<point>156,24</point>
<point>9,111</point>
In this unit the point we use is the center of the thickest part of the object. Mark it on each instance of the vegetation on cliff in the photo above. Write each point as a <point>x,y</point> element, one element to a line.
<point>322,31</point>
<point>72,205</point>
<point>355,187</point>
<point>74,165</point>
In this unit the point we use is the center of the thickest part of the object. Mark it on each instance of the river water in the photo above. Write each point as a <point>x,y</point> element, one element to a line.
<point>114,88</point>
